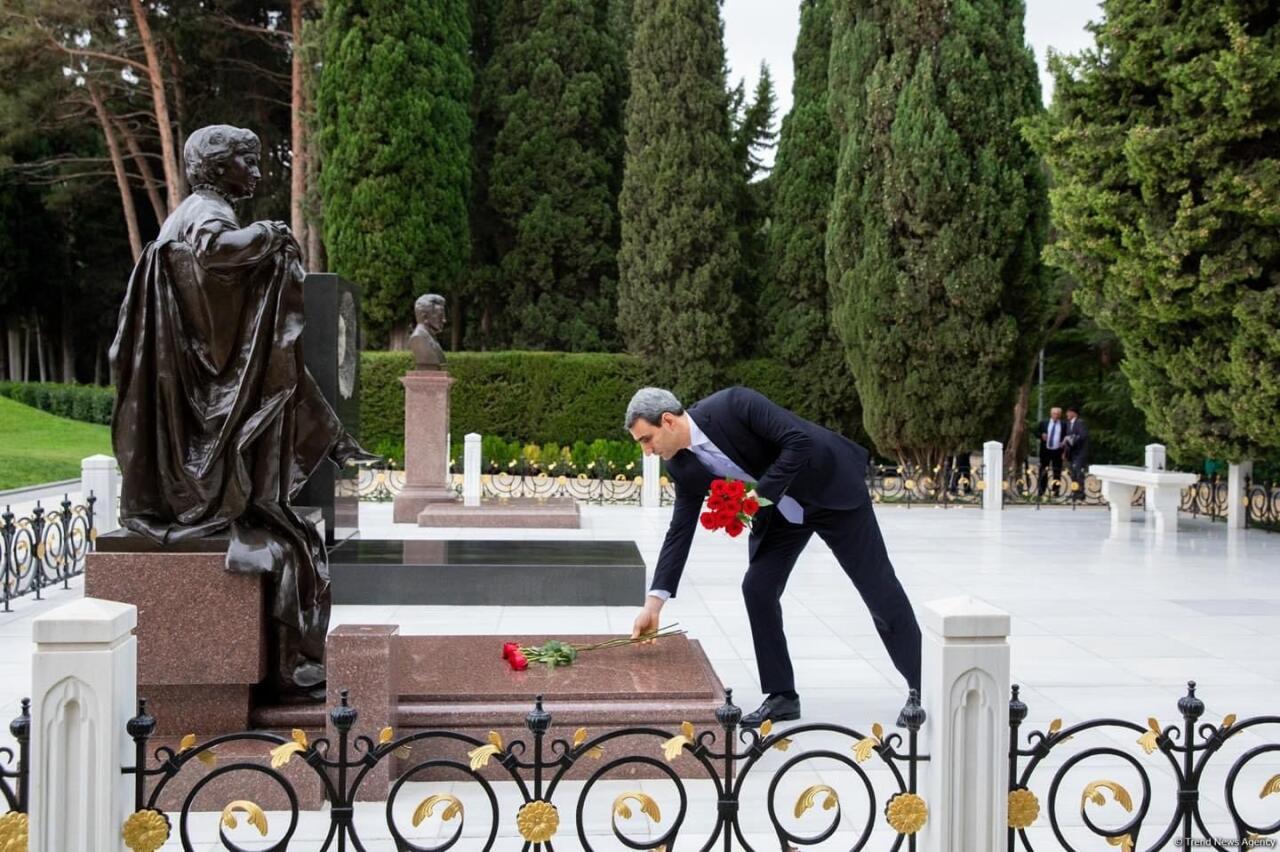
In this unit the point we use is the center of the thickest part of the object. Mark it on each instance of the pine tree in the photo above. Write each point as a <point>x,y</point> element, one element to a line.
<point>679,253</point>
<point>754,133</point>
<point>1164,143</point>
<point>555,170</point>
<point>393,103</point>
<point>937,219</point>
<point>795,304</point>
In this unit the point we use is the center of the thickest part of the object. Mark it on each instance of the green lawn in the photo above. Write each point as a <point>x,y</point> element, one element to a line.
<point>37,447</point>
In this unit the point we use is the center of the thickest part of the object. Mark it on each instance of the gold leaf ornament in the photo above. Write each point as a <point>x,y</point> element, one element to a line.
<point>810,796</point>
<point>1228,721</point>
<point>538,821</point>
<point>1124,841</point>
<point>906,813</point>
<point>648,806</point>
<point>1055,726</point>
<point>673,747</point>
<point>1149,740</point>
<point>282,754</point>
<point>865,747</point>
<point>15,828</point>
<point>1272,787</point>
<point>385,735</point>
<point>427,806</point>
<point>1024,808</point>
<point>254,815</point>
<point>144,831</point>
<point>766,728</point>
<point>1093,793</point>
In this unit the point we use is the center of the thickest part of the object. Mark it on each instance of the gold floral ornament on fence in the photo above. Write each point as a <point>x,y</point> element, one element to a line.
<point>673,747</point>
<point>865,747</point>
<point>810,796</point>
<point>480,755</point>
<point>282,754</point>
<point>538,821</point>
<point>14,828</point>
<point>906,813</point>
<point>580,737</point>
<point>1024,808</point>
<point>253,814</point>
<point>453,808</point>
<point>145,831</point>
<point>648,807</point>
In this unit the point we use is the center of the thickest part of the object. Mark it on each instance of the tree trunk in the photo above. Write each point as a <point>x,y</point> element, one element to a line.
<point>1014,452</point>
<point>68,341</point>
<point>172,172</point>
<point>180,112</point>
<point>14,339</point>
<point>144,168</point>
<point>122,178</point>
<point>99,356</point>
<point>40,350</point>
<point>297,134</point>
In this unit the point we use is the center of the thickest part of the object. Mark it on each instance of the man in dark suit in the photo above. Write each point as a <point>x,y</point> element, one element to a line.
<point>817,482</point>
<point>1052,433</point>
<point>1076,446</point>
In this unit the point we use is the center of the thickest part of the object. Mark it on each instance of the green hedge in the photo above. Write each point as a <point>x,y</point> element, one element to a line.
<point>552,397</point>
<point>86,403</point>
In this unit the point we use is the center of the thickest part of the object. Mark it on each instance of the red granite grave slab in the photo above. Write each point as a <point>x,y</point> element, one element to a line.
<point>360,660</point>
<point>524,512</point>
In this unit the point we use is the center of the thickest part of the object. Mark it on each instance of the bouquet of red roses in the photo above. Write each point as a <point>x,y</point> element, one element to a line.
<point>732,506</point>
<point>556,653</point>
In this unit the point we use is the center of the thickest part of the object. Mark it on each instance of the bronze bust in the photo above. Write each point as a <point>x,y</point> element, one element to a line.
<point>217,422</point>
<point>429,312</point>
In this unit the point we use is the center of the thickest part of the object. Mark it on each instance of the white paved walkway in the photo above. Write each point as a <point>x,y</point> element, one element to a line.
<point>1102,626</point>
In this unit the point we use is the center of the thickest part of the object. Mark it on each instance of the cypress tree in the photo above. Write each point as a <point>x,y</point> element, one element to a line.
<point>1164,144</point>
<point>937,219</point>
<point>393,104</point>
<point>754,132</point>
<point>794,305</point>
<point>679,253</point>
<point>554,180</point>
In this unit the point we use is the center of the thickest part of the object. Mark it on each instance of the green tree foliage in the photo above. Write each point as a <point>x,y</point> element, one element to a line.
<point>555,173</point>
<point>679,253</point>
<point>937,218</point>
<point>754,133</point>
<point>1164,141</point>
<point>794,306</point>
<point>395,132</point>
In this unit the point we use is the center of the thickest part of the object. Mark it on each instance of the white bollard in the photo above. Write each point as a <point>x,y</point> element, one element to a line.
<point>651,488</point>
<point>84,688</point>
<point>471,470</point>
<point>98,474</point>
<point>1155,459</point>
<point>993,476</point>
<point>1237,510</point>
<point>965,684</point>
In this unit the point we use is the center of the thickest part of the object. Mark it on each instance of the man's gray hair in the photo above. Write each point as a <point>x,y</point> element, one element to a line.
<point>649,404</point>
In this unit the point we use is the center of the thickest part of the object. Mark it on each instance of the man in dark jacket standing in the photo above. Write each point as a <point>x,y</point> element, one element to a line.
<point>1076,445</point>
<point>816,480</point>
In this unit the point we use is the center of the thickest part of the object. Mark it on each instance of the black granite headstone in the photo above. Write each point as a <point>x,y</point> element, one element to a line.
<point>487,572</point>
<point>331,348</point>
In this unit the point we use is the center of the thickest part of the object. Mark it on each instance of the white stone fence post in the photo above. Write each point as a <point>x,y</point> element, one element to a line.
<point>965,694</point>
<point>84,687</point>
<point>98,475</point>
<point>651,488</point>
<point>993,476</point>
<point>1154,459</point>
<point>471,470</point>
<point>1237,508</point>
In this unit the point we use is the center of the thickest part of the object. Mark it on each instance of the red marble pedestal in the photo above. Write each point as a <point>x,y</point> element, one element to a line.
<point>426,444</point>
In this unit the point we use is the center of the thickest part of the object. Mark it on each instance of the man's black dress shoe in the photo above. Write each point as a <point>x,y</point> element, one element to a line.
<point>776,708</point>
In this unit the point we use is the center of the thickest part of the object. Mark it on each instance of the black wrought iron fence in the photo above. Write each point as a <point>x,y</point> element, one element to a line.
<point>44,548</point>
<point>15,770</point>
<point>1186,749</point>
<point>727,758</point>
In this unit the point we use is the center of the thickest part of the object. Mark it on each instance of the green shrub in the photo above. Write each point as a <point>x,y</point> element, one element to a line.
<point>86,403</point>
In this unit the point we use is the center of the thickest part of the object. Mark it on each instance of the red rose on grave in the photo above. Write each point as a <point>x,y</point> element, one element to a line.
<point>508,649</point>
<point>710,520</point>
<point>750,506</point>
<point>517,661</point>
<point>719,486</point>
<point>737,488</point>
<point>734,528</point>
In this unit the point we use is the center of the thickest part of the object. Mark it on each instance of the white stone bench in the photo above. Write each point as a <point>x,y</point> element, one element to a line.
<point>1164,492</point>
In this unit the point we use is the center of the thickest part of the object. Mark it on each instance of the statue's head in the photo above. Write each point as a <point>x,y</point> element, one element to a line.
<point>429,311</point>
<point>225,158</point>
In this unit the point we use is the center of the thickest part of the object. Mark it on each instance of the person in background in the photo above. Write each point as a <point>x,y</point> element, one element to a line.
<point>1076,445</point>
<point>1051,433</point>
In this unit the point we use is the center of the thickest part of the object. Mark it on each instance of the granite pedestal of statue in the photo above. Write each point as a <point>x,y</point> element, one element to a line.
<point>203,636</point>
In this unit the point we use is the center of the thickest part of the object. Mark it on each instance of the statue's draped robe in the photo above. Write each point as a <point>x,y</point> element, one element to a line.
<point>217,421</point>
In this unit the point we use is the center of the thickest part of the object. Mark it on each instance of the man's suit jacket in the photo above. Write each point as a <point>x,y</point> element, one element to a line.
<point>784,453</point>
<point>1043,429</point>
<point>1078,449</point>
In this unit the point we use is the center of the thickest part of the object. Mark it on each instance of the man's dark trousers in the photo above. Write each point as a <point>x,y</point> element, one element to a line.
<point>1050,458</point>
<point>854,538</point>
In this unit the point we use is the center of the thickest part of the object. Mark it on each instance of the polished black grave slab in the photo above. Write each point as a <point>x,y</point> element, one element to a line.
<point>493,573</point>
